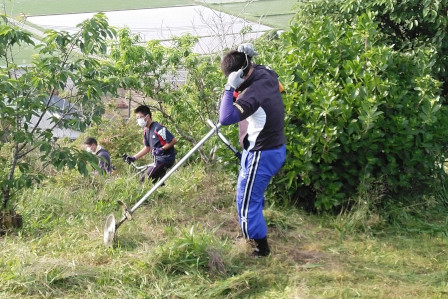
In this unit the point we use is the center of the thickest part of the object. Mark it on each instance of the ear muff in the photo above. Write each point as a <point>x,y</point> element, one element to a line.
<point>245,65</point>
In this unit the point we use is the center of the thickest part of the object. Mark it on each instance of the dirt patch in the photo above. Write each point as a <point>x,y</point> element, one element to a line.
<point>8,220</point>
<point>306,257</point>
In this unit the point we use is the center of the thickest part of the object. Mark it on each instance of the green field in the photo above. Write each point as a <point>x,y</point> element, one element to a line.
<point>22,55</point>
<point>50,7</point>
<point>258,8</point>
<point>277,21</point>
<point>275,13</point>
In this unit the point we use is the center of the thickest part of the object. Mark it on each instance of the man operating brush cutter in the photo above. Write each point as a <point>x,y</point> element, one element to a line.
<point>258,107</point>
<point>156,139</point>
<point>111,226</point>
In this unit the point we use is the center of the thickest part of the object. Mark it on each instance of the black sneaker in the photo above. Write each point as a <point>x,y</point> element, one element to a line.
<point>258,253</point>
<point>262,248</point>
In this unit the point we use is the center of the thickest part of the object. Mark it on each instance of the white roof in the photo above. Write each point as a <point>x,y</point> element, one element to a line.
<point>217,30</point>
<point>47,123</point>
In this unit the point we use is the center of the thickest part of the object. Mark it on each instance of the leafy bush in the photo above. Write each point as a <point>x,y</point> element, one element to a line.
<point>405,25</point>
<point>117,136</point>
<point>356,109</point>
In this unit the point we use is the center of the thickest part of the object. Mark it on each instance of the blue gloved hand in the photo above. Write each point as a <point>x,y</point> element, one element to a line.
<point>130,159</point>
<point>235,79</point>
<point>247,49</point>
<point>158,151</point>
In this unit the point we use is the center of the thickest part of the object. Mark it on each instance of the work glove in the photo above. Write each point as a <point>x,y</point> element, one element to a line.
<point>247,49</point>
<point>235,79</point>
<point>130,159</point>
<point>158,151</point>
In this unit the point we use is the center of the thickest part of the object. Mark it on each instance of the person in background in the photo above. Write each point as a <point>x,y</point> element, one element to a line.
<point>92,146</point>
<point>252,98</point>
<point>157,140</point>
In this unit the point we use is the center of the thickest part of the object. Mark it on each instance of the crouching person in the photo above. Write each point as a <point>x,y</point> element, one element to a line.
<point>156,140</point>
<point>92,146</point>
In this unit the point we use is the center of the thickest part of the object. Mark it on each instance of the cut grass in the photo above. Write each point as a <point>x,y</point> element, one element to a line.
<point>181,244</point>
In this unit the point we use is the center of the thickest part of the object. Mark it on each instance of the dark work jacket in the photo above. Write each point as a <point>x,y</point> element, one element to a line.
<point>260,103</point>
<point>104,161</point>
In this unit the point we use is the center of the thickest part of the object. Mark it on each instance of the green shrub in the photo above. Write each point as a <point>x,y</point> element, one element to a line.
<point>405,25</point>
<point>356,110</point>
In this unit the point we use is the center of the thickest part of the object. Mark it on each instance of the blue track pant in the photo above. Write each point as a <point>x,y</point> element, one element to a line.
<point>257,169</point>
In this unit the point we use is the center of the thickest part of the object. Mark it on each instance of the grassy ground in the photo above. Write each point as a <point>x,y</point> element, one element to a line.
<point>22,55</point>
<point>182,244</point>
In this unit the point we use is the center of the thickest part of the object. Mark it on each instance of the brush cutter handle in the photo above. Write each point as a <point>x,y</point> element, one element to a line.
<point>128,159</point>
<point>143,167</point>
<point>224,139</point>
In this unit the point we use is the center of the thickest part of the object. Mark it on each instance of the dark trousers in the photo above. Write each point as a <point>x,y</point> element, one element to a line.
<point>157,171</point>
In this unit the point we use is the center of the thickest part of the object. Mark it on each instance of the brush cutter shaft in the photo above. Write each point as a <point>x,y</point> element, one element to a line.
<point>111,225</point>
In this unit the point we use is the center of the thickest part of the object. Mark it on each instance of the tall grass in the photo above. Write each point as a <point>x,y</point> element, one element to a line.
<point>181,244</point>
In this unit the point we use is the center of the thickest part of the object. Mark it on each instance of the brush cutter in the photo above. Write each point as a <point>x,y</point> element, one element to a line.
<point>111,226</point>
<point>139,169</point>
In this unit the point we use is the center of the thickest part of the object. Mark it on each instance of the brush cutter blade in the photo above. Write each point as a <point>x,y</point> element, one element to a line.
<point>109,231</point>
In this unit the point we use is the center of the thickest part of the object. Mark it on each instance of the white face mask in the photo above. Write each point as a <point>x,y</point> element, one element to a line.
<point>88,149</point>
<point>141,122</point>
